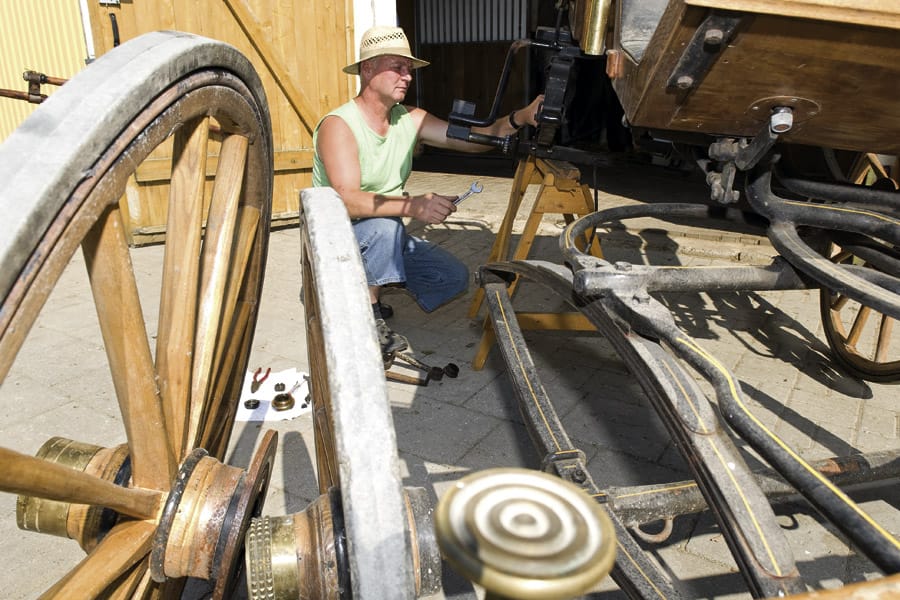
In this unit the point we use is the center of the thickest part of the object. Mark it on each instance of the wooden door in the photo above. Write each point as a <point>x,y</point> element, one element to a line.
<point>298,48</point>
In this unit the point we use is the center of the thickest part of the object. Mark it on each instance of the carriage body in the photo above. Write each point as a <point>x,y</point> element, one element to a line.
<point>721,67</point>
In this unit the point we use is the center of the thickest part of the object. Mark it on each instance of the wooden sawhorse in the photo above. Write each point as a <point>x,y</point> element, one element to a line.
<point>561,192</point>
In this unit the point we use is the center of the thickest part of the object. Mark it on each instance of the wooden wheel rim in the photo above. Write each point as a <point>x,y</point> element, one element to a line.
<point>356,448</point>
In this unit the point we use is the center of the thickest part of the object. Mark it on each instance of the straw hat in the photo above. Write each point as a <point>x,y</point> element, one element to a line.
<point>381,40</point>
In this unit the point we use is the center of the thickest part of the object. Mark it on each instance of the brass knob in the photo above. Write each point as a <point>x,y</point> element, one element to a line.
<point>525,534</point>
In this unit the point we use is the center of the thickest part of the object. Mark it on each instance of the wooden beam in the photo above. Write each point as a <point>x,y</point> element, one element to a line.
<point>872,13</point>
<point>256,35</point>
<point>155,170</point>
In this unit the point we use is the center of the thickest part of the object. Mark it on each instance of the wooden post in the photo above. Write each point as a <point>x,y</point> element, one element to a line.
<point>561,193</point>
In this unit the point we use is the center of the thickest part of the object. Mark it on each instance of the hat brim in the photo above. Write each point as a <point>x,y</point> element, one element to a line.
<point>353,69</point>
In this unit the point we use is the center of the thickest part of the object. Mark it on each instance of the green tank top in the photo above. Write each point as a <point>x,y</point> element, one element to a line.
<point>385,162</point>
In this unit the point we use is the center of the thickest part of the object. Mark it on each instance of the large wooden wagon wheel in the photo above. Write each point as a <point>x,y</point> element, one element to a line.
<point>356,451</point>
<point>862,339</point>
<point>161,506</point>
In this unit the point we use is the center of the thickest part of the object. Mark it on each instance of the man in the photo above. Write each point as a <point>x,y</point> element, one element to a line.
<point>364,150</point>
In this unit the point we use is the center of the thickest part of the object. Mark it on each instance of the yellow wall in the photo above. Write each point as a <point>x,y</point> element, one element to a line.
<point>38,35</point>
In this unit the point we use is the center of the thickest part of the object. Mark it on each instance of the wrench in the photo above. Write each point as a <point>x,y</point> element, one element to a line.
<point>473,189</point>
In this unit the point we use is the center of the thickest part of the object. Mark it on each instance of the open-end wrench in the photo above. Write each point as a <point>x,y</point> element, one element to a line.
<point>473,189</point>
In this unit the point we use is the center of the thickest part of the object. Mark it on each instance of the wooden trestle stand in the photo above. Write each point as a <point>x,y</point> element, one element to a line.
<point>561,192</point>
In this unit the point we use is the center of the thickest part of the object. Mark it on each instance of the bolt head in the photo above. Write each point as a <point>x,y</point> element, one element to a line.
<point>714,37</point>
<point>782,120</point>
<point>684,82</point>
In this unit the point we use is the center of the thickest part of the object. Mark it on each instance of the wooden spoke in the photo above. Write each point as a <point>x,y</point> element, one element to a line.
<point>240,264</point>
<point>136,584</point>
<point>237,315</point>
<point>121,549</point>
<point>839,302</point>
<point>885,331</point>
<point>178,301</point>
<point>215,439</point>
<point>128,350</point>
<point>859,323</point>
<point>32,476</point>
<point>216,256</point>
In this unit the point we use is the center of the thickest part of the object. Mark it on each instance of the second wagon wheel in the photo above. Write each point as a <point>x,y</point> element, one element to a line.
<point>863,340</point>
<point>356,450</point>
<point>161,506</point>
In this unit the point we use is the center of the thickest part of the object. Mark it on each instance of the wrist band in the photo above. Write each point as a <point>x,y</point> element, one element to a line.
<point>512,120</point>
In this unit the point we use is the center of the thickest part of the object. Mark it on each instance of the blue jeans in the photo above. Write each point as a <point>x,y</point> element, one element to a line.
<point>391,256</point>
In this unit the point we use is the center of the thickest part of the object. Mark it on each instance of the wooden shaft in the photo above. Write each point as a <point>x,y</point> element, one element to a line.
<point>181,275</point>
<point>120,550</point>
<point>124,331</point>
<point>30,476</point>
<point>217,258</point>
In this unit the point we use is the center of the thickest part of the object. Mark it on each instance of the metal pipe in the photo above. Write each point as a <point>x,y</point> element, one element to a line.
<point>637,505</point>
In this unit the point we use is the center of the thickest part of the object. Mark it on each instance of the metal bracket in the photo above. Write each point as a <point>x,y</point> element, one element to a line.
<point>711,37</point>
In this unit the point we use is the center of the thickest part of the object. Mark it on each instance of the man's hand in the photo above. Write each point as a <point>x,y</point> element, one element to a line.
<point>432,208</point>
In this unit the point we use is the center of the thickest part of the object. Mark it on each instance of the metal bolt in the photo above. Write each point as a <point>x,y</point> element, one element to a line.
<point>782,119</point>
<point>714,37</point>
<point>684,82</point>
<point>579,476</point>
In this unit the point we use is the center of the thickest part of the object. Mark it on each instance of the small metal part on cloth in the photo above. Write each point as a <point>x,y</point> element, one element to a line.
<point>431,373</point>
<point>257,380</point>
<point>251,404</point>
<point>475,188</point>
<point>283,401</point>
<point>279,387</point>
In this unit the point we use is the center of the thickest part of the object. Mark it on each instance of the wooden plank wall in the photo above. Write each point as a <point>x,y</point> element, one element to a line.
<point>298,48</point>
<point>38,36</point>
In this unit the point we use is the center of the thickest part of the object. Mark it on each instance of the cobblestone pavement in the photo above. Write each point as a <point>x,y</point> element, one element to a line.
<point>773,342</point>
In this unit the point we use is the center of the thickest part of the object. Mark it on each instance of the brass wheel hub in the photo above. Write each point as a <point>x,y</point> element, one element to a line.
<point>201,530</point>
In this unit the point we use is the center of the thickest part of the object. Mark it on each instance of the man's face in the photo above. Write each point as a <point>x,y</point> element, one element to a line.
<point>391,75</point>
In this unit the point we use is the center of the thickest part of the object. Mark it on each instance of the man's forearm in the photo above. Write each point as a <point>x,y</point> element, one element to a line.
<point>361,205</point>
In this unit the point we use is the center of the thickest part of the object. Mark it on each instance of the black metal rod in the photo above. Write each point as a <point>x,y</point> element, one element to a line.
<point>501,90</point>
<point>779,275</point>
<point>636,575</point>
<point>637,505</point>
<point>868,536</point>
<point>842,192</point>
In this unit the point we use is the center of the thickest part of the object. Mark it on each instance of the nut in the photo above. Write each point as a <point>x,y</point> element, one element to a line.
<point>283,402</point>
